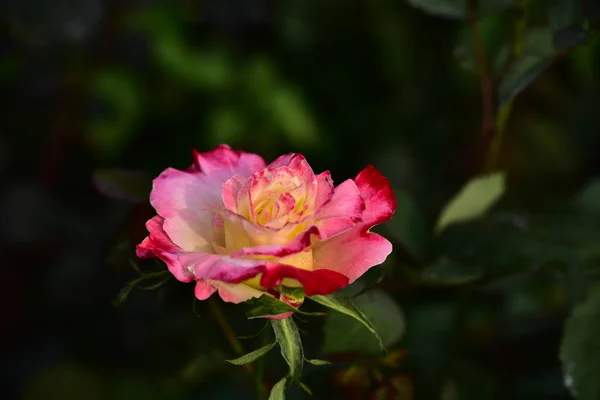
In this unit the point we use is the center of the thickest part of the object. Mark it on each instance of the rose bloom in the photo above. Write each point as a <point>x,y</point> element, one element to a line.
<point>236,225</point>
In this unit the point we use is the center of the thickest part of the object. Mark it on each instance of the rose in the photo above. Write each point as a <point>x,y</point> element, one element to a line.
<point>243,228</point>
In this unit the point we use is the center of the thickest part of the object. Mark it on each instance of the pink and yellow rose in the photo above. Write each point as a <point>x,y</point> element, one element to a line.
<point>236,225</point>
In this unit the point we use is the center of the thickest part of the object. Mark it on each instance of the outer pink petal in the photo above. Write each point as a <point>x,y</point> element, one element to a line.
<point>322,281</point>
<point>351,253</point>
<point>342,212</point>
<point>380,201</point>
<point>204,289</point>
<point>355,251</point>
<point>223,158</point>
<point>236,293</point>
<point>231,293</point>
<point>158,244</point>
<point>214,267</point>
<point>187,201</point>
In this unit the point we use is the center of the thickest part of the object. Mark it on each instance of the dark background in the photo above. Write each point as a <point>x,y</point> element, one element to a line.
<point>92,85</point>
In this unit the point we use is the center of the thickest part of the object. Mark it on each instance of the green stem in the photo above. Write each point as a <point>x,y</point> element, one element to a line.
<point>259,375</point>
<point>236,345</point>
<point>502,117</point>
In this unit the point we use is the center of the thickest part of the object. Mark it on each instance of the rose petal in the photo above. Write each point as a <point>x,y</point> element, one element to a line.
<point>203,289</point>
<point>380,201</point>
<point>224,159</point>
<point>230,293</point>
<point>236,293</point>
<point>342,212</point>
<point>301,168</point>
<point>351,253</point>
<point>158,244</point>
<point>187,201</point>
<point>231,189</point>
<point>241,233</point>
<point>214,267</point>
<point>325,189</point>
<point>322,281</point>
<point>355,251</point>
<point>297,245</point>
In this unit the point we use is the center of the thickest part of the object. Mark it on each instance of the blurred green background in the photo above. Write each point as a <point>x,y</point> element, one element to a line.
<point>99,96</point>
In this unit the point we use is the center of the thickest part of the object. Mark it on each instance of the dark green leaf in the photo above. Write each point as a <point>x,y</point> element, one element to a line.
<point>589,198</point>
<point>265,306</point>
<point>564,13</point>
<point>494,28</point>
<point>473,201</point>
<point>124,293</point>
<point>538,41</point>
<point>305,388</point>
<point>446,272</point>
<point>278,391</point>
<point>569,36</point>
<point>444,8</point>
<point>318,362</point>
<point>580,349</point>
<point>538,54</point>
<point>288,337</point>
<point>566,20</point>
<point>494,5</point>
<point>346,306</point>
<point>344,334</point>
<point>252,356</point>
<point>520,75</point>
<point>122,184</point>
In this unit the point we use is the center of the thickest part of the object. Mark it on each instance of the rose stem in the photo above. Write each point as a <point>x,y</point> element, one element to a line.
<point>215,310</point>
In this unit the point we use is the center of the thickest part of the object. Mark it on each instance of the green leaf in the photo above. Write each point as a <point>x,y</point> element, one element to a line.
<point>408,227</point>
<point>346,306</point>
<point>580,350</point>
<point>378,324</point>
<point>444,8</point>
<point>252,356</point>
<point>268,306</point>
<point>318,362</point>
<point>564,13</point>
<point>538,41</point>
<point>305,388</point>
<point>278,391</point>
<point>494,5</point>
<point>446,272</point>
<point>494,30</point>
<point>288,337</point>
<point>569,36</point>
<point>124,293</point>
<point>473,201</point>
<point>521,74</point>
<point>122,184</point>
<point>589,198</point>
<point>537,56</point>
